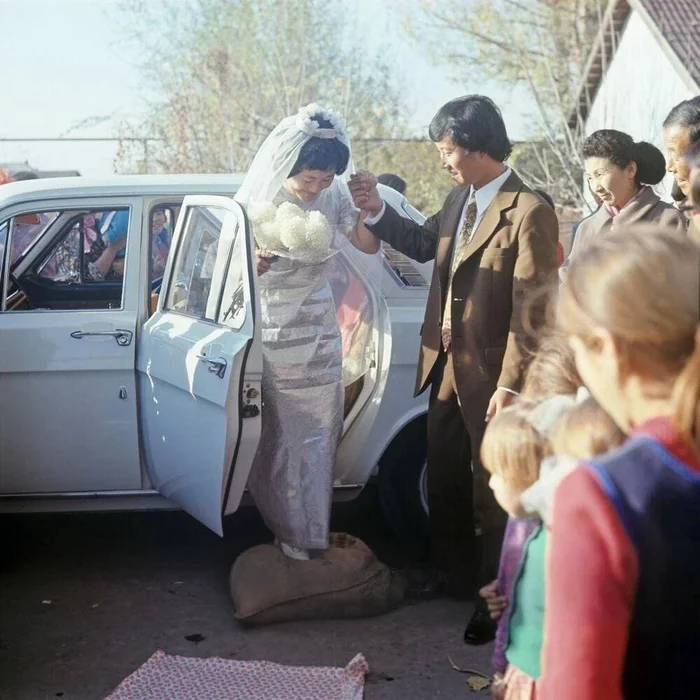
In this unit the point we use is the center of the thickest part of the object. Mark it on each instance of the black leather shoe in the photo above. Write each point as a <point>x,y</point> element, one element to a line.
<point>481,629</point>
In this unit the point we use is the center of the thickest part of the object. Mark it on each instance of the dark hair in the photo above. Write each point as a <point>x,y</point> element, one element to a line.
<point>322,154</point>
<point>25,175</point>
<point>621,149</point>
<point>686,114</point>
<point>394,181</point>
<point>546,197</point>
<point>676,192</point>
<point>475,123</point>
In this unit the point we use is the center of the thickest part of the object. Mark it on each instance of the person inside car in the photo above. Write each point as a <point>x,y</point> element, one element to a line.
<point>106,257</point>
<point>160,242</point>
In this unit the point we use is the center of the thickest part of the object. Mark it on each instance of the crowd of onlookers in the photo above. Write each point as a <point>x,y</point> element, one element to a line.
<point>591,436</point>
<point>597,461</point>
<point>590,443</point>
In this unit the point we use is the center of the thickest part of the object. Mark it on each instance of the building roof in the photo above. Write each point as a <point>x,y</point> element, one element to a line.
<point>679,24</point>
<point>675,22</point>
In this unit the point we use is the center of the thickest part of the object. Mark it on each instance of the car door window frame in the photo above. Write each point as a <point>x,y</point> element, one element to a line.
<point>134,204</point>
<point>218,284</point>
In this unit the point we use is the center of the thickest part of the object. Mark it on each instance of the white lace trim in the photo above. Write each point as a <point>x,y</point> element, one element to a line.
<point>308,125</point>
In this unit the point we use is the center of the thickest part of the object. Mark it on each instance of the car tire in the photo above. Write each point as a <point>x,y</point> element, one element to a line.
<point>402,483</point>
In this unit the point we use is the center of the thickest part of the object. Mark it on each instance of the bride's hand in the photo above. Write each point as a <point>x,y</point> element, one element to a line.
<point>263,260</point>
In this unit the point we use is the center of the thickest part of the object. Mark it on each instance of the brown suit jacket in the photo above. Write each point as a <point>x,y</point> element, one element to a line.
<point>512,254</point>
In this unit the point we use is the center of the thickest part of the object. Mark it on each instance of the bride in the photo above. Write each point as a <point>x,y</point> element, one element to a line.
<point>302,213</point>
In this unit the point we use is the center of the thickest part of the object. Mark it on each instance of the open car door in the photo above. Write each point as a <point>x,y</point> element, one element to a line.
<point>199,369</point>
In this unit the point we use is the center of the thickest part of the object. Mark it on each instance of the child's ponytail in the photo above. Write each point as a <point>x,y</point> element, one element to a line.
<point>686,398</point>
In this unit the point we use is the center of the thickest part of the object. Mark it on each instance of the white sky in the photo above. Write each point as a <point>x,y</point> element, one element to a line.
<point>63,64</point>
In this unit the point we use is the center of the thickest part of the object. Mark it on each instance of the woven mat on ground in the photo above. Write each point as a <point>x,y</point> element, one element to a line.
<point>165,677</point>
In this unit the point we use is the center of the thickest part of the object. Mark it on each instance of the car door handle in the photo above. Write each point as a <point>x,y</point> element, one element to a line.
<point>123,337</point>
<point>217,365</point>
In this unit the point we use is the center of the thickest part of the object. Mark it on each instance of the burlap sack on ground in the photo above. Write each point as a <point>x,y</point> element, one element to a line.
<point>347,580</point>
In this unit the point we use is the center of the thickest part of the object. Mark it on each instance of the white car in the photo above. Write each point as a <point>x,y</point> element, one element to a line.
<point>130,379</point>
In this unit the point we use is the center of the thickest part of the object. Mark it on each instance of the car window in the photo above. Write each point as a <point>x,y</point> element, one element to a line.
<point>82,266</point>
<point>198,255</point>
<point>4,227</point>
<point>92,248</point>
<point>24,230</point>
<point>233,310</point>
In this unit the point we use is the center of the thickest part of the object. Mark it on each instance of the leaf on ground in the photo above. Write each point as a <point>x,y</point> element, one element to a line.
<point>478,683</point>
<point>476,680</point>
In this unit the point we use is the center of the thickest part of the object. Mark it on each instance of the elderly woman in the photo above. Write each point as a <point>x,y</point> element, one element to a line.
<point>621,173</point>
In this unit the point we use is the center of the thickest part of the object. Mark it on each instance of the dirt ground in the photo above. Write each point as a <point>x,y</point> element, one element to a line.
<point>86,599</point>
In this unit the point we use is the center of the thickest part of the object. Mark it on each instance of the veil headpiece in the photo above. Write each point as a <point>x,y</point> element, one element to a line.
<point>279,152</point>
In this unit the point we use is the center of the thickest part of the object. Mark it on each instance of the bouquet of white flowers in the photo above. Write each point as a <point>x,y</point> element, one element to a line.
<point>291,232</point>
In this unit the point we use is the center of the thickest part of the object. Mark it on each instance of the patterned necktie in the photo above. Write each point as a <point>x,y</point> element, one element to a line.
<point>461,244</point>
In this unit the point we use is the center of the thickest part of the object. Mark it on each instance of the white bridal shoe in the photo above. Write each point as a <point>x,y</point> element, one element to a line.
<point>294,552</point>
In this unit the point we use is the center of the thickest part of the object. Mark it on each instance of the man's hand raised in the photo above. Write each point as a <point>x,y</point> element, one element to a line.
<point>363,188</point>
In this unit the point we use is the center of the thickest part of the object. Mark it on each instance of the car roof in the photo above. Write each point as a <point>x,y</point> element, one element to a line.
<point>28,191</point>
<point>46,188</point>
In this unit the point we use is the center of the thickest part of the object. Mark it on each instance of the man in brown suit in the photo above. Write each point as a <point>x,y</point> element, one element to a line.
<point>494,242</point>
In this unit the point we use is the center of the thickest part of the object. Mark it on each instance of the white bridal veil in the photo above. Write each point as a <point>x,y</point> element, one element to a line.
<point>276,157</point>
<point>354,271</point>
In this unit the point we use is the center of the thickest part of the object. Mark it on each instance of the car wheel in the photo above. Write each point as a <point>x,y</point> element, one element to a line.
<point>403,483</point>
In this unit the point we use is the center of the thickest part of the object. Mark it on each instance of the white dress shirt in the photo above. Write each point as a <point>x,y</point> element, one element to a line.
<point>484,196</point>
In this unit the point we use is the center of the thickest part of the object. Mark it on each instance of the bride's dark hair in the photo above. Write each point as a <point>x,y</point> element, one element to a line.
<point>322,154</point>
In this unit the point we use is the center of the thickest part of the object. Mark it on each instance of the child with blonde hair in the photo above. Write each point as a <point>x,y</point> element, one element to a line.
<point>512,451</point>
<point>517,445</point>
<point>583,431</point>
<point>552,372</point>
<point>623,576</point>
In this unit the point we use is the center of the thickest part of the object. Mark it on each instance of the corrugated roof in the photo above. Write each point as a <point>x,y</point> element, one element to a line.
<point>678,23</point>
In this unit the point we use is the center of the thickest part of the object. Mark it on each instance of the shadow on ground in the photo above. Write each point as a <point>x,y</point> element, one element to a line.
<point>85,599</point>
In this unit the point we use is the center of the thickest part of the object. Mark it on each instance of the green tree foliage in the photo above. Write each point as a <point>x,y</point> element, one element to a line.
<point>541,45</point>
<point>220,74</point>
<point>417,162</point>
